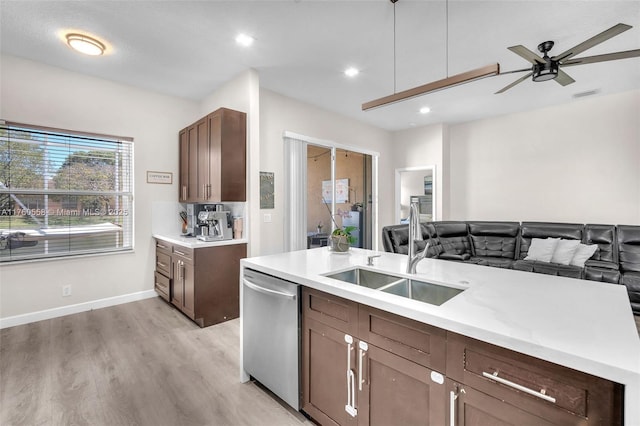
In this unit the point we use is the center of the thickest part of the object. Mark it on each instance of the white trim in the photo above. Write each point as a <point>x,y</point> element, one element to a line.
<point>433,191</point>
<point>329,144</point>
<point>74,309</point>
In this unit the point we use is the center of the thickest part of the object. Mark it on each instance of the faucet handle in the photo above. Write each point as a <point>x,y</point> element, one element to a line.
<point>370,259</point>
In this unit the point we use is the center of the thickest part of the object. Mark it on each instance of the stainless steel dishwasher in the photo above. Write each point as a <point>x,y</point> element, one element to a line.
<point>271,334</point>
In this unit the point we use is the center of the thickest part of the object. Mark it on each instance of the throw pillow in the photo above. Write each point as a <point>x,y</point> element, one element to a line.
<point>565,249</point>
<point>583,253</point>
<point>542,249</point>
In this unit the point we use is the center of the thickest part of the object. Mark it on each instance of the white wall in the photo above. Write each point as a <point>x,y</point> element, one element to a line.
<point>578,162</point>
<point>421,146</point>
<point>279,113</point>
<point>39,94</point>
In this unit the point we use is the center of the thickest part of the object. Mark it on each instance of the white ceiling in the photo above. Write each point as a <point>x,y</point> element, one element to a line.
<point>187,49</point>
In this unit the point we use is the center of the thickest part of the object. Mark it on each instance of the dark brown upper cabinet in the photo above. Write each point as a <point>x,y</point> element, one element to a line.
<point>213,158</point>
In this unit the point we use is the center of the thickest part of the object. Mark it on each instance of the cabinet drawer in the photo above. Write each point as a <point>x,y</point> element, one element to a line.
<point>415,341</point>
<point>163,263</point>
<point>162,285</point>
<point>163,246</point>
<point>331,310</point>
<point>510,376</point>
<point>183,253</point>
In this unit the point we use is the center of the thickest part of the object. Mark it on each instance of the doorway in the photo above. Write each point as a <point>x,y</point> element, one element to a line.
<point>334,185</point>
<point>416,183</point>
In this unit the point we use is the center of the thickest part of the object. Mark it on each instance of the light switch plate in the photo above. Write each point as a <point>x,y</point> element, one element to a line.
<point>266,218</point>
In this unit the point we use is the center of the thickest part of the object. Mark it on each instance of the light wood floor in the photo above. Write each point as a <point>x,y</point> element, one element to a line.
<point>140,363</point>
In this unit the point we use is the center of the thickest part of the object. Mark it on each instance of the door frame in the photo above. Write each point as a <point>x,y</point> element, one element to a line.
<point>295,200</point>
<point>398,179</point>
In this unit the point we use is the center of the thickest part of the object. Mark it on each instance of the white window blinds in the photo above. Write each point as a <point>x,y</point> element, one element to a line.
<point>63,193</point>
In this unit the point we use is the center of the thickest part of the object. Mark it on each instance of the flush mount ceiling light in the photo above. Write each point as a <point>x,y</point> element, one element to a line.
<point>85,44</point>
<point>244,40</point>
<point>351,72</point>
<point>425,110</point>
<point>454,80</point>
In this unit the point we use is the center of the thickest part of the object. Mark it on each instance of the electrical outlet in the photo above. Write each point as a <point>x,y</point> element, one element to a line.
<point>66,290</point>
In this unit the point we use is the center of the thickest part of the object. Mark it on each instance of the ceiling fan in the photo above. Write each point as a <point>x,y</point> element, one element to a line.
<point>547,68</point>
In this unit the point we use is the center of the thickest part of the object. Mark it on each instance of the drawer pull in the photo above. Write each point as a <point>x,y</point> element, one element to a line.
<point>179,252</point>
<point>524,389</point>
<point>164,265</point>
<point>161,246</point>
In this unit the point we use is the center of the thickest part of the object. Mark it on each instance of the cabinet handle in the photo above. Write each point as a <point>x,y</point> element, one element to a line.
<point>524,389</point>
<point>164,265</point>
<point>184,192</point>
<point>179,252</point>
<point>161,246</point>
<point>363,348</point>
<point>268,290</point>
<point>453,406</point>
<point>208,191</point>
<point>351,390</point>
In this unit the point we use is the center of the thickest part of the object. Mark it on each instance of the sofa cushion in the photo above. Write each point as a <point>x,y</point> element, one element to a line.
<point>583,253</point>
<point>606,275</point>
<point>541,249</point>
<point>530,230</point>
<point>548,268</point>
<point>629,248</point>
<point>605,237</point>
<point>496,262</point>
<point>453,238</point>
<point>632,281</point>
<point>564,251</point>
<point>494,239</point>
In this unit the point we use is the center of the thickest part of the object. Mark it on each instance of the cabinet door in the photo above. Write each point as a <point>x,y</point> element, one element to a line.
<point>470,407</point>
<point>395,391</point>
<point>183,196</point>
<point>194,133</point>
<point>325,379</point>
<point>177,284</point>
<point>188,285</point>
<point>201,160</point>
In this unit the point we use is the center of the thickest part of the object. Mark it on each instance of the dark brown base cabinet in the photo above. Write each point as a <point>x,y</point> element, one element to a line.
<point>202,283</point>
<point>364,366</point>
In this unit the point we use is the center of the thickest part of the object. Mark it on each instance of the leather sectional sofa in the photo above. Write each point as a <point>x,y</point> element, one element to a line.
<point>506,245</point>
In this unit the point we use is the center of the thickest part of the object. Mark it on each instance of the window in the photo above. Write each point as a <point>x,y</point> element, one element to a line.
<point>63,193</point>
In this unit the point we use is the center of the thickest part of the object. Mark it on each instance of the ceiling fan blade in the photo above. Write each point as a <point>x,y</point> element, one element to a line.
<point>526,54</point>
<point>518,81</point>
<point>563,78</point>
<point>593,41</point>
<point>603,58</point>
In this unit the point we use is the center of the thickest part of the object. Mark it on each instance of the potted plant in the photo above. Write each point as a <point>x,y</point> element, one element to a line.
<point>341,238</point>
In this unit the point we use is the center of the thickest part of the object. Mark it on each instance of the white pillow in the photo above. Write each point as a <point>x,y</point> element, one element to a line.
<point>583,253</point>
<point>565,249</point>
<point>542,249</point>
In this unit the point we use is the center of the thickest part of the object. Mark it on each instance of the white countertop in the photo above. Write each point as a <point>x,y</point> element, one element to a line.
<point>194,243</point>
<point>585,325</point>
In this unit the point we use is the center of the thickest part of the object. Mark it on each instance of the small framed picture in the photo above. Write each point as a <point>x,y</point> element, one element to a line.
<point>159,177</point>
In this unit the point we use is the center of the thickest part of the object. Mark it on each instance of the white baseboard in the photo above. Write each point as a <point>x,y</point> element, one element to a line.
<point>74,309</point>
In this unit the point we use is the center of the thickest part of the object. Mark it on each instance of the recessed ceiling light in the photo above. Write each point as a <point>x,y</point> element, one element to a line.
<point>351,72</point>
<point>85,44</point>
<point>244,40</point>
<point>425,110</point>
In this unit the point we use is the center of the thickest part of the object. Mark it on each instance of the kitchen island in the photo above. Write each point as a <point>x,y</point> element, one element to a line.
<point>583,325</point>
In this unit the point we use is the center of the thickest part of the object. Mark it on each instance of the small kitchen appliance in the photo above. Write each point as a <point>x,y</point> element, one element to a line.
<point>214,224</point>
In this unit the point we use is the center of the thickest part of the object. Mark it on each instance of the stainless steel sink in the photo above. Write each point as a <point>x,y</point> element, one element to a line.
<point>434,294</point>
<point>422,291</point>
<point>366,278</point>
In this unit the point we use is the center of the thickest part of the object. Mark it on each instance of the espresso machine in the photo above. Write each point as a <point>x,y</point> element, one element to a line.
<point>214,224</point>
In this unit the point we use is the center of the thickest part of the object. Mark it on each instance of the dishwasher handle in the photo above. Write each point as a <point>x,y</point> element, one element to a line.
<point>268,291</point>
